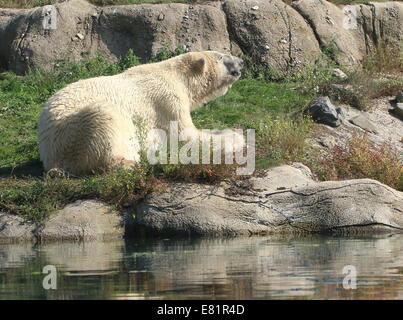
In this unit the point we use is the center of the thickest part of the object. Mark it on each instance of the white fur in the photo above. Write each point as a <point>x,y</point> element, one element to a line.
<point>90,124</point>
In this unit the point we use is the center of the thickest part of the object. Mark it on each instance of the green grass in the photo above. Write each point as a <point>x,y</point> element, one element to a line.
<point>249,100</point>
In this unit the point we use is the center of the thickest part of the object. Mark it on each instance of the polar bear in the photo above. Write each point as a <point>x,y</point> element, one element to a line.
<point>88,125</point>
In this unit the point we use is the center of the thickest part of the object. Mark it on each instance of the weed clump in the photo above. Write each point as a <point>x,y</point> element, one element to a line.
<point>361,158</point>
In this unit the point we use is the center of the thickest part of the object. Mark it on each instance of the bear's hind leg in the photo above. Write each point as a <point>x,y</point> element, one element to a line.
<point>97,137</point>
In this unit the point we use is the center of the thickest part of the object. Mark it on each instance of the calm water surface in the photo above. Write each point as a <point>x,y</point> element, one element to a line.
<point>241,268</point>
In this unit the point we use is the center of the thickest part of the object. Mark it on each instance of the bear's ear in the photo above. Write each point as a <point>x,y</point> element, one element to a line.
<point>198,65</point>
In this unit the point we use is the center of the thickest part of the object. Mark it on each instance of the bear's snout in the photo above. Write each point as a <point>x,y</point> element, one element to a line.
<point>234,65</point>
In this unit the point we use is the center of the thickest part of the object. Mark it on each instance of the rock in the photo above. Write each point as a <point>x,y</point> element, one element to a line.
<point>42,47</point>
<point>378,23</point>
<point>25,44</point>
<point>284,177</point>
<point>269,204</point>
<point>364,123</point>
<point>327,141</point>
<point>261,38</point>
<point>15,228</point>
<point>80,36</point>
<point>399,97</point>
<point>398,110</point>
<point>323,111</point>
<point>135,27</point>
<point>353,30</point>
<point>272,33</point>
<point>285,199</point>
<point>339,74</point>
<point>387,124</point>
<point>326,19</point>
<point>341,112</point>
<point>84,220</point>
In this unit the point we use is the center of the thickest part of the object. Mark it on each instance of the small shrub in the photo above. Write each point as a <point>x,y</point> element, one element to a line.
<point>361,158</point>
<point>127,61</point>
<point>280,140</point>
<point>331,51</point>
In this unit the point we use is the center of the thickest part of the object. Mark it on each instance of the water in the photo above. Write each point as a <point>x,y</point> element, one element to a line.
<point>241,268</point>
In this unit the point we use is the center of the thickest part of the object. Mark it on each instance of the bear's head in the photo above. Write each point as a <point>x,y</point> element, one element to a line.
<point>210,74</point>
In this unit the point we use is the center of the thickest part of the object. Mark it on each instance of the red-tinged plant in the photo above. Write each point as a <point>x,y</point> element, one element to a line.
<point>361,158</point>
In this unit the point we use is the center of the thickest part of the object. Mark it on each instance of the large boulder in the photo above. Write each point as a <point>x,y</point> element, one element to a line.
<point>74,29</point>
<point>84,220</point>
<point>332,31</point>
<point>272,33</point>
<point>41,36</point>
<point>15,228</point>
<point>323,111</point>
<point>150,27</point>
<point>350,32</point>
<point>285,200</point>
<point>378,23</point>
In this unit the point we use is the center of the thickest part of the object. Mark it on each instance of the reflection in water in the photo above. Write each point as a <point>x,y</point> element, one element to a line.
<point>241,268</point>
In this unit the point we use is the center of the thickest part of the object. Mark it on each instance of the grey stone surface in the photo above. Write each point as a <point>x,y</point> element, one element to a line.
<point>378,23</point>
<point>292,204</point>
<point>339,74</point>
<point>326,19</point>
<point>86,30</point>
<point>364,123</point>
<point>141,28</point>
<point>353,30</point>
<point>14,228</point>
<point>84,220</point>
<point>274,35</point>
<point>284,200</point>
<point>388,126</point>
<point>398,110</point>
<point>323,111</point>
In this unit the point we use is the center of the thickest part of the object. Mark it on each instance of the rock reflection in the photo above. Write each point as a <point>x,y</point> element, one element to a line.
<point>240,268</point>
